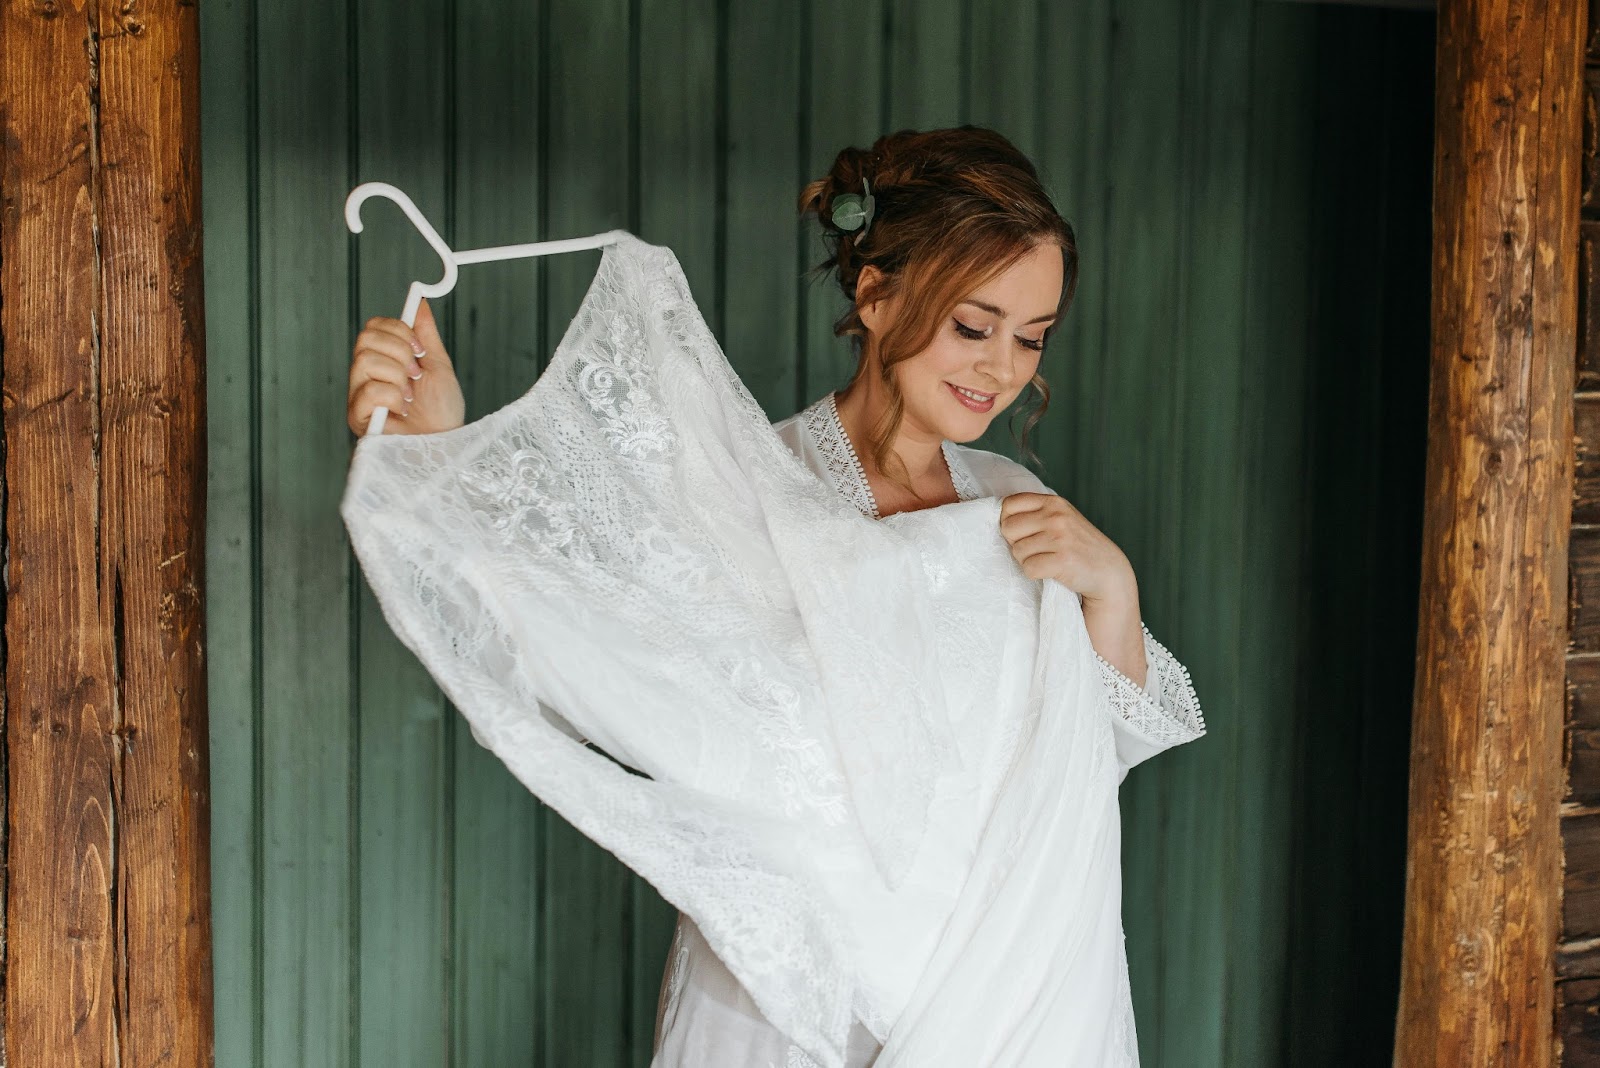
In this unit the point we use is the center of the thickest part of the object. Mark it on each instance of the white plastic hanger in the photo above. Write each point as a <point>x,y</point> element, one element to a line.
<point>452,260</point>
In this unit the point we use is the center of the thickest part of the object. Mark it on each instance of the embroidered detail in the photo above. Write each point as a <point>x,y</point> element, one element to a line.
<point>795,1057</point>
<point>804,777</point>
<point>617,390</point>
<point>844,463</point>
<point>1166,708</point>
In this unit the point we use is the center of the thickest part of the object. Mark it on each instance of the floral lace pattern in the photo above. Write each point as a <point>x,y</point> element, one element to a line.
<point>628,554</point>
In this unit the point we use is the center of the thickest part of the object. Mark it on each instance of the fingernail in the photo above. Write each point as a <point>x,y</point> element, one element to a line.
<point>416,376</point>
<point>408,396</point>
<point>416,346</point>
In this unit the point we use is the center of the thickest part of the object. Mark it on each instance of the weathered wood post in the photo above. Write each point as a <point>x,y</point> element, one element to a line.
<point>1484,873</point>
<point>107,909</point>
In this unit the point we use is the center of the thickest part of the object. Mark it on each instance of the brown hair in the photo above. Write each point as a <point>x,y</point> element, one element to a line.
<point>952,208</point>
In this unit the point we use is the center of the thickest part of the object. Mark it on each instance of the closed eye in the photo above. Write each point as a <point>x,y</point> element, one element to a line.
<point>973,334</point>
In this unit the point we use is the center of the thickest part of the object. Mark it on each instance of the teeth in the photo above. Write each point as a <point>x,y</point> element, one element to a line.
<point>979,397</point>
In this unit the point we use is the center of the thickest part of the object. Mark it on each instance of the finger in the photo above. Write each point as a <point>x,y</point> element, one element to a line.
<point>369,397</point>
<point>387,346</point>
<point>371,365</point>
<point>399,329</point>
<point>395,338</point>
<point>1021,524</point>
<point>1043,541</point>
<point>428,330</point>
<point>1025,501</point>
<point>1040,565</point>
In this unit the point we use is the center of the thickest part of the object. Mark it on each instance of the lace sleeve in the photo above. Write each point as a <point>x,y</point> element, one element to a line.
<point>1162,713</point>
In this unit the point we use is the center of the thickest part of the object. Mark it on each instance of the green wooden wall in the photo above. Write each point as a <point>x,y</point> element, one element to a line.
<point>1237,403</point>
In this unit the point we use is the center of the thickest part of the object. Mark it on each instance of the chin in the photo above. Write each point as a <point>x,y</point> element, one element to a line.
<point>963,435</point>
<point>967,426</point>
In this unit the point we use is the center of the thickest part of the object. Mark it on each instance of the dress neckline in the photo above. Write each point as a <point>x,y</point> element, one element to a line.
<point>827,431</point>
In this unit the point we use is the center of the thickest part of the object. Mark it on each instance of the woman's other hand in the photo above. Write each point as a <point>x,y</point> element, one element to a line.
<point>1049,538</point>
<point>407,371</point>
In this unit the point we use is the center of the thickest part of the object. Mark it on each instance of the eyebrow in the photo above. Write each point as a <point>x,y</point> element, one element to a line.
<point>992,309</point>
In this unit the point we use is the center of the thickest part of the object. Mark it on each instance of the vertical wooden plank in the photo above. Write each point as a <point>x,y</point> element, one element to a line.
<point>590,55</point>
<point>1484,861</point>
<point>60,706</point>
<point>308,905</point>
<point>681,101</point>
<point>1127,491</point>
<point>843,76</point>
<point>925,44</point>
<point>1200,602</point>
<point>402,114</point>
<point>1364,443</point>
<point>233,553</point>
<point>1341,443</point>
<point>107,837</point>
<point>491,325</point>
<point>1271,496</point>
<point>151,526</point>
<point>763,238</point>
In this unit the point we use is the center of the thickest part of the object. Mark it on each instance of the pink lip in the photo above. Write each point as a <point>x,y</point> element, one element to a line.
<point>968,401</point>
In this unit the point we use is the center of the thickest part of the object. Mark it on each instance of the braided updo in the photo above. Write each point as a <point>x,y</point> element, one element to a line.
<point>952,208</point>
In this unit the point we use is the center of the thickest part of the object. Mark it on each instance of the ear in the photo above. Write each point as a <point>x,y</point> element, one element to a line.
<point>871,313</point>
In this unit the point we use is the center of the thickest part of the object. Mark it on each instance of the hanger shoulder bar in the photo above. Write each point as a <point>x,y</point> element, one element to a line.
<point>534,248</point>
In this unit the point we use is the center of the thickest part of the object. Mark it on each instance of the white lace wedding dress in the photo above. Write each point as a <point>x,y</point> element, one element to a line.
<point>703,1016</point>
<point>873,763</point>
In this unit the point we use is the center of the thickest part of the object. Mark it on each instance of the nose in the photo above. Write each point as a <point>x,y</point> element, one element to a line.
<point>998,362</point>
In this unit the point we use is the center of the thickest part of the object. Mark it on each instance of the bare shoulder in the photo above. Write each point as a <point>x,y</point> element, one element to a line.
<point>1000,476</point>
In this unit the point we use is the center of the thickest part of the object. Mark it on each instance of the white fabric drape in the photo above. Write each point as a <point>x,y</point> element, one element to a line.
<point>873,762</point>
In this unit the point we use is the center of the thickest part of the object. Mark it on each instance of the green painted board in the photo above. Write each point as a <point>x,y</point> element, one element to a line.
<point>1236,377</point>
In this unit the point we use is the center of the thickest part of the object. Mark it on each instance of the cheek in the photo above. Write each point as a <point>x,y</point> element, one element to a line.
<point>946,358</point>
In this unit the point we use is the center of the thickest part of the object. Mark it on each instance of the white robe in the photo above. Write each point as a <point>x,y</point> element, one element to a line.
<point>703,1016</point>
<point>873,762</point>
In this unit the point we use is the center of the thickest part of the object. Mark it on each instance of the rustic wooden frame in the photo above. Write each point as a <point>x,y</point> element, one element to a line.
<point>106,899</point>
<point>1483,886</point>
<point>107,835</point>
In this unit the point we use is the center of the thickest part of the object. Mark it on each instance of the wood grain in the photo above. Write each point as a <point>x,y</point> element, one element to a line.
<point>1484,849</point>
<point>107,837</point>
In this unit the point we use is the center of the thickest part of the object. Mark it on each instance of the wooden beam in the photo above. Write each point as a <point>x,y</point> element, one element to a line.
<point>1483,886</point>
<point>107,907</point>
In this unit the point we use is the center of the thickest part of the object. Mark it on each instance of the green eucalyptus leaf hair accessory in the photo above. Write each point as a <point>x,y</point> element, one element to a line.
<point>854,211</point>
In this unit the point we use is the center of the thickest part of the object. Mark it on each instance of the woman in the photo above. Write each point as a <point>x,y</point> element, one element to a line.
<point>957,268</point>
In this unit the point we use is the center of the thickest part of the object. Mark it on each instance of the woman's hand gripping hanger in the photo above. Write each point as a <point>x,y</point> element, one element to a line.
<point>451,260</point>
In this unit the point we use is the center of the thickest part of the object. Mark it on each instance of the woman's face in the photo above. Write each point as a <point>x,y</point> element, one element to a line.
<point>989,345</point>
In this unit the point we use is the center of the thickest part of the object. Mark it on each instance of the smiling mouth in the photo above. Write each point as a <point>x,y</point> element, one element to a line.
<point>974,395</point>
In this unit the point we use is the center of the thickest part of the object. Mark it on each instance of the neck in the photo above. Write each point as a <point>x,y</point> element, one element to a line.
<point>862,406</point>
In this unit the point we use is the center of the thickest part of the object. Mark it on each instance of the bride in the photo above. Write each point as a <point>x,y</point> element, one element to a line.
<point>957,269</point>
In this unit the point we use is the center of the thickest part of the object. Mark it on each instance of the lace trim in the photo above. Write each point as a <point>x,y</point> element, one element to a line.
<point>966,484</point>
<point>844,464</point>
<point>1166,708</point>
<point>839,456</point>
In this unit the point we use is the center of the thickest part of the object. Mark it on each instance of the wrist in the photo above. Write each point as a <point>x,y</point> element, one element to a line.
<point>1119,594</point>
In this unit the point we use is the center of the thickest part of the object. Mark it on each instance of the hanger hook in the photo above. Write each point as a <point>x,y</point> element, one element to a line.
<point>352,217</point>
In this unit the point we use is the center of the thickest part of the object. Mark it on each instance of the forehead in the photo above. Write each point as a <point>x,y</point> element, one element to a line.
<point>1027,288</point>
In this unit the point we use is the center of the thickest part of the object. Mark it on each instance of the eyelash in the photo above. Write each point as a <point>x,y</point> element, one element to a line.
<point>977,335</point>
